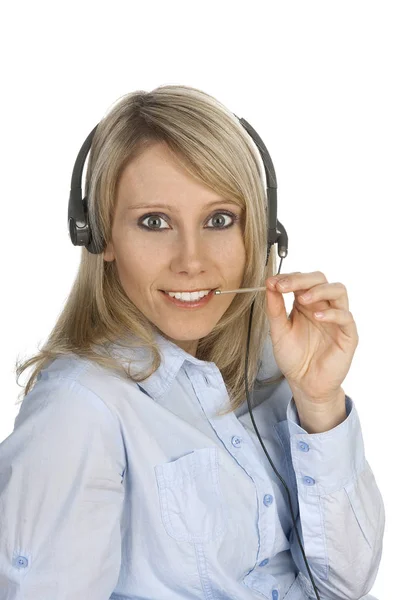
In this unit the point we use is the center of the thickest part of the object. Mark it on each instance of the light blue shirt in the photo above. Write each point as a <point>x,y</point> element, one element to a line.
<point>113,490</point>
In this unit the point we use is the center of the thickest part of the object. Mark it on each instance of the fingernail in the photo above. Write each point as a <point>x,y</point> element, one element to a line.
<point>284,284</point>
<point>306,296</point>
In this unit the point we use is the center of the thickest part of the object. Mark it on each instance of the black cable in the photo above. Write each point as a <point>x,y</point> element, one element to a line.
<point>265,450</point>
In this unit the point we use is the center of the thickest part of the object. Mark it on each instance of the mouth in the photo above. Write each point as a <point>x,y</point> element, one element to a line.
<point>188,291</point>
<point>189,304</point>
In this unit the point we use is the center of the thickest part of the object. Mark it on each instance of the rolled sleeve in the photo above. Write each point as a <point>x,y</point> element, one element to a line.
<point>326,462</point>
<point>61,496</point>
<point>341,512</point>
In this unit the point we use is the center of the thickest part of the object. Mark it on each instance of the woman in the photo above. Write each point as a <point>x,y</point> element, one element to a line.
<point>133,470</point>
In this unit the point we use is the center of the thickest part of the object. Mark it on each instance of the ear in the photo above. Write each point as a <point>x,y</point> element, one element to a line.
<point>109,254</point>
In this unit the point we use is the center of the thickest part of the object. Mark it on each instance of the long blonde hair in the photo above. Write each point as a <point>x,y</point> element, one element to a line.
<point>215,149</point>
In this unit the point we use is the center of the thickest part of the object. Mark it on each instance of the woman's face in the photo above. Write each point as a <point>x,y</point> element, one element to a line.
<point>186,246</point>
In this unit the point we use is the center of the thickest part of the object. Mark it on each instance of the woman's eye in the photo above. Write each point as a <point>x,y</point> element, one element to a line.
<point>218,218</point>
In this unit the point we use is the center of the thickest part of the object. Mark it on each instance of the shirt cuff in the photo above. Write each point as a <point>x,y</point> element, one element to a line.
<point>326,462</point>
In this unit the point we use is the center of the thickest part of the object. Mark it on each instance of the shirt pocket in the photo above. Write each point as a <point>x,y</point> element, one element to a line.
<point>296,592</point>
<point>191,504</point>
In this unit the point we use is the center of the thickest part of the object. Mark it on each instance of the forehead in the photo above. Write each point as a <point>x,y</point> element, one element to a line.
<point>156,159</point>
<point>157,175</point>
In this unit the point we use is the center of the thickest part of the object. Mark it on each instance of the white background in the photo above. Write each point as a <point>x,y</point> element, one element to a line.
<point>317,80</point>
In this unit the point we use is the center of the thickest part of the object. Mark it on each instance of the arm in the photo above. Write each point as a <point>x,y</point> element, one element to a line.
<point>61,496</point>
<point>341,513</point>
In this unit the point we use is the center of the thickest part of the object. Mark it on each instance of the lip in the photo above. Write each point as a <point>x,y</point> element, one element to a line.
<point>189,305</point>
<point>189,291</point>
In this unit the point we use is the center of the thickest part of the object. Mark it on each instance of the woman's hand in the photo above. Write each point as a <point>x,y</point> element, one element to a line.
<point>314,354</point>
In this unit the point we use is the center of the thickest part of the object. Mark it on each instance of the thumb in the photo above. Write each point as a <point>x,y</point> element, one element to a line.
<point>276,313</point>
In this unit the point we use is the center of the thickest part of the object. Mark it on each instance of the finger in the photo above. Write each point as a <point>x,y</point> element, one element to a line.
<point>335,293</point>
<point>299,281</point>
<point>275,308</point>
<point>343,318</point>
<point>273,280</point>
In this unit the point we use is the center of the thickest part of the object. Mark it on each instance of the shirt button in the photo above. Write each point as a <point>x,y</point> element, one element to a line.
<point>304,447</point>
<point>308,480</point>
<point>264,562</point>
<point>20,562</point>
<point>236,441</point>
<point>275,595</point>
<point>268,499</point>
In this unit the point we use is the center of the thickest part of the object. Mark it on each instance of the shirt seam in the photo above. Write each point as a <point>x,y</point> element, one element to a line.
<point>84,387</point>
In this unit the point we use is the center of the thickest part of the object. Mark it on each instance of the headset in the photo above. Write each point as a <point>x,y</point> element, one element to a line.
<point>81,235</point>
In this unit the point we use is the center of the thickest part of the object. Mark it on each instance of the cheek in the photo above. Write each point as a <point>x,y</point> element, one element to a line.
<point>131,271</point>
<point>138,271</point>
<point>232,257</point>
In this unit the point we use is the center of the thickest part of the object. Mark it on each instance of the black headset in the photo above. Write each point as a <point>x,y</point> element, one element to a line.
<point>81,235</point>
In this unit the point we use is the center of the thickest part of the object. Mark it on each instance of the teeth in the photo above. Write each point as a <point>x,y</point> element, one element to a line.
<point>188,296</point>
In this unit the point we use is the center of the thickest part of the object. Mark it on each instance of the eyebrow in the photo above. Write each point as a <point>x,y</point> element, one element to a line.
<point>169,207</point>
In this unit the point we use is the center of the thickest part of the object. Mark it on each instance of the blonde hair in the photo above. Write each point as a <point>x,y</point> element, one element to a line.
<point>211,144</point>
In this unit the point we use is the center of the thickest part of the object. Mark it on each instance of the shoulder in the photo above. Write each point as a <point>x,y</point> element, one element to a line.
<point>66,445</point>
<point>72,387</point>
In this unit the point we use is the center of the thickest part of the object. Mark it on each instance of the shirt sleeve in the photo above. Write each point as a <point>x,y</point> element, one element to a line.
<point>341,512</point>
<point>61,496</point>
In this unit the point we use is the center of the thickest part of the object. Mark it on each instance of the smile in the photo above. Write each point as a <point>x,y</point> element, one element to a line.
<point>187,299</point>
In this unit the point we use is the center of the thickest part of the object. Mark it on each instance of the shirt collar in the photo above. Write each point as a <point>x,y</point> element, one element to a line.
<point>172,359</point>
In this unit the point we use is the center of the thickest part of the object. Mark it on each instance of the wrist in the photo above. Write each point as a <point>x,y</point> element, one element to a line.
<point>318,417</point>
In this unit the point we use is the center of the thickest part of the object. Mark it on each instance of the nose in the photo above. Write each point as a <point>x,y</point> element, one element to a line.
<point>191,252</point>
